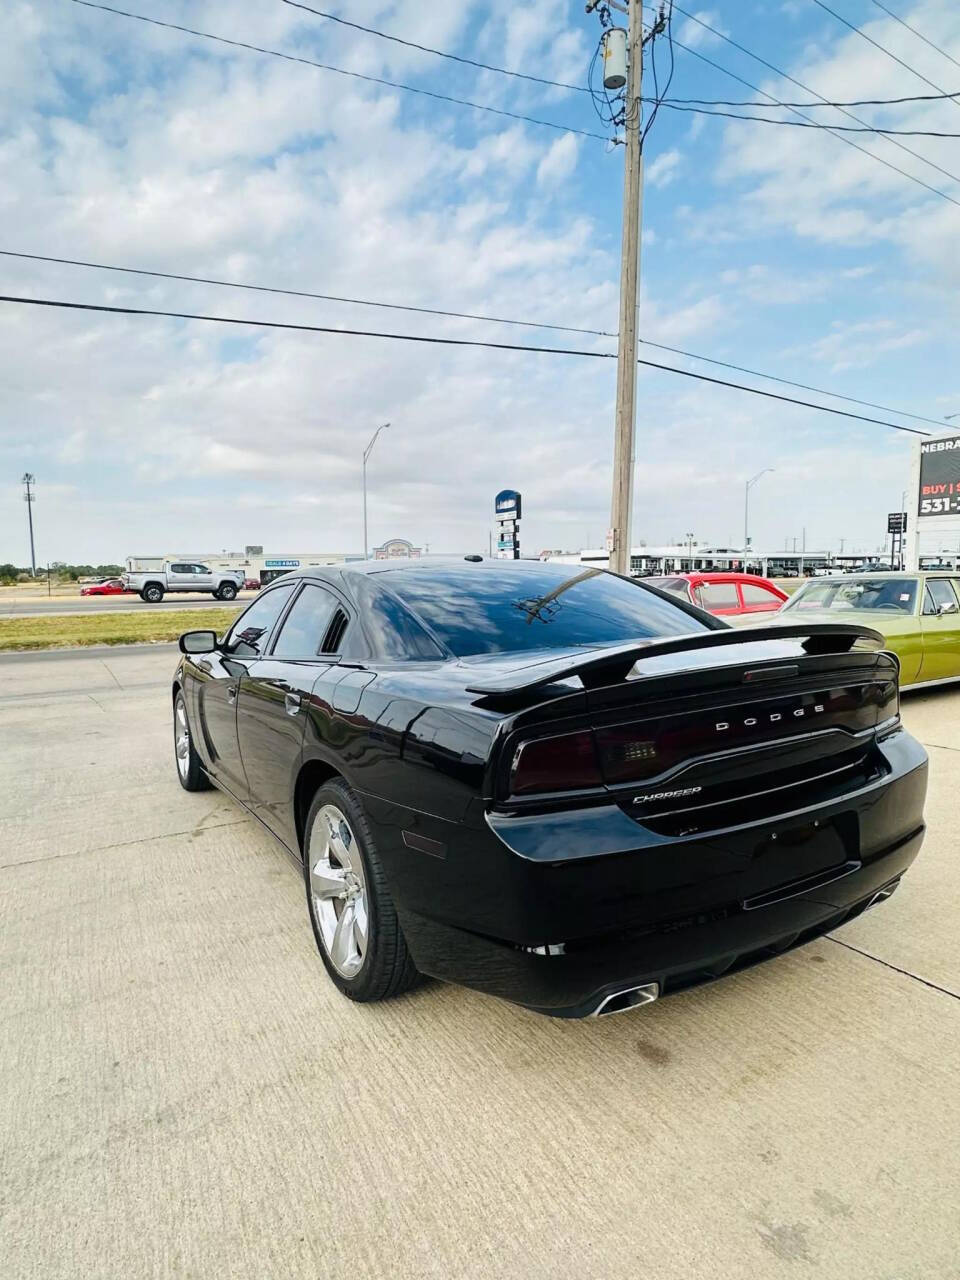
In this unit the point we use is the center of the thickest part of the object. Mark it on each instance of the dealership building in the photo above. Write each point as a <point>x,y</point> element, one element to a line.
<point>264,566</point>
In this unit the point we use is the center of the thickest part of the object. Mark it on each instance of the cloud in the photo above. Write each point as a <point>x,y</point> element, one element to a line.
<point>559,162</point>
<point>664,169</point>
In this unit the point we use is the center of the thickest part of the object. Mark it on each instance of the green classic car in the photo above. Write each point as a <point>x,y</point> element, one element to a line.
<point>917,613</point>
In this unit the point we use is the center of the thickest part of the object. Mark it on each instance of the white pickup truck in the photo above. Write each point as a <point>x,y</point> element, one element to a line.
<point>153,578</point>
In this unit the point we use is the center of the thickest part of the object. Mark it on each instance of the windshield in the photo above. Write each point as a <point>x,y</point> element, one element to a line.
<point>513,607</point>
<point>841,595</point>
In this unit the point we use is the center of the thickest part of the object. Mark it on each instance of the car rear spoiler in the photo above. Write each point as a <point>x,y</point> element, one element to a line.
<point>597,667</point>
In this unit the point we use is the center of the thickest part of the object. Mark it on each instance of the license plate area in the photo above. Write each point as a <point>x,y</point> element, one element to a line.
<point>789,853</point>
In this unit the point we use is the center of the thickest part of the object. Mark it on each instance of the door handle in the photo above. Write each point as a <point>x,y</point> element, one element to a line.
<point>292,703</point>
<point>231,693</point>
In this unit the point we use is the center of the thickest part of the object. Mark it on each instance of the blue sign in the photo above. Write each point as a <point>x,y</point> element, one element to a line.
<point>281,564</point>
<point>507,504</point>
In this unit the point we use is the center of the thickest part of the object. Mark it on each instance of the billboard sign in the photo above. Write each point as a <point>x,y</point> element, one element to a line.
<point>939,478</point>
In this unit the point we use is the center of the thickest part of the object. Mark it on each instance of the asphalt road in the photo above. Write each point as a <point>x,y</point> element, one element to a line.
<point>183,1092</point>
<point>36,606</point>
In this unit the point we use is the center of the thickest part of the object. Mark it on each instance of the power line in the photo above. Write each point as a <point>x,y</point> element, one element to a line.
<point>849,141</point>
<point>810,105</point>
<point>444,342</point>
<point>305,293</point>
<point>440,53</point>
<point>918,34</point>
<point>458,315</point>
<point>876,44</point>
<point>815,124</point>
<point>787,382</point>
<point>340,71</point>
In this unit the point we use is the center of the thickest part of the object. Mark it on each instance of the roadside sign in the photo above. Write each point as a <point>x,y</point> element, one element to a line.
<point>506,510</point>
<point>940,477</point>
<point>897,522</point>
<point>507,505</point>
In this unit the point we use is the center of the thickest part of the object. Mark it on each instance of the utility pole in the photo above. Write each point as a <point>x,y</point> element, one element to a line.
<point>366,454</point>
<point>624,440</point>
<point>803,549</point>
<point>30,498</point>
<point>746,512</point>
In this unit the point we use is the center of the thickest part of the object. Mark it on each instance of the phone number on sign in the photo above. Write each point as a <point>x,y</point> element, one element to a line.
<point>940,506</point>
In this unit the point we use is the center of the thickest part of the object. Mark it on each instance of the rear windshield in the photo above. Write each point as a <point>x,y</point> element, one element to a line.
<point>505,609</point>
<point>676,586</point>
<point>841,595</point>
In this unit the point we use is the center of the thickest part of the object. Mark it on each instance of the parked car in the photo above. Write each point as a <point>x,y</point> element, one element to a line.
<point>178,575</point>
<point>251,584</point>
<point>108,587</point>
<point>918,615</point>
<point>724,594</point>
<point>552,784</point>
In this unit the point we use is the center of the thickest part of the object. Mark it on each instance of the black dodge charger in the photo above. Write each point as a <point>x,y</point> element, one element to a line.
<point>551,783</point>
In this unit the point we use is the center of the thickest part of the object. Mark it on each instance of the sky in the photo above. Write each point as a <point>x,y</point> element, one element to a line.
<point>781,249</point>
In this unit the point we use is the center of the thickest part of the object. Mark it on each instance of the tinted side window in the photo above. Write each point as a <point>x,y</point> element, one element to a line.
<point>181,568</point>
<point>719,595</point>
<point>306,624</point>
<point>394,632</point>
<point>200,568</point>
<point>251,631</point>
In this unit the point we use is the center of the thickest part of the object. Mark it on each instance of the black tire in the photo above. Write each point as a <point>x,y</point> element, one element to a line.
<point>189,769</point>
<point>386,968</point>
<point>152,593</point>
<point>227,592</point>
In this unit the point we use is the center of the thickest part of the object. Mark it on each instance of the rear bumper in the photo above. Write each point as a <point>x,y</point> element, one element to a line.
<point>576,983</point>
<point>540,926</point>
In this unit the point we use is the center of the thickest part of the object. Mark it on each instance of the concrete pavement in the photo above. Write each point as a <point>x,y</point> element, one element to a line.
<point>184,1093</point>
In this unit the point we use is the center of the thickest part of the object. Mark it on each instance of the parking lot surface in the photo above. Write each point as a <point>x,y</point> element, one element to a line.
<point>184,1093</point>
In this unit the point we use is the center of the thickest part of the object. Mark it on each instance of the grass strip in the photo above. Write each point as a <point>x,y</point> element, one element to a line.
<point>152,626</point>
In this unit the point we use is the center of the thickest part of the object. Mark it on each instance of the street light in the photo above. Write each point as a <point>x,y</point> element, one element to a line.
<point>29,497</point>
<point>366,454</point>
<point>746,510</point>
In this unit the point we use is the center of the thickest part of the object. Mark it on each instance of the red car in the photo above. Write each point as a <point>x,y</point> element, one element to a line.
<point>724,594</point>
<point>251,584</point>
<point>109,587</point>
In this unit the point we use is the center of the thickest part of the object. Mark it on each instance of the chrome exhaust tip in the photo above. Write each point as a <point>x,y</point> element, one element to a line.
<point>883,894</point>
<point>631,998</point>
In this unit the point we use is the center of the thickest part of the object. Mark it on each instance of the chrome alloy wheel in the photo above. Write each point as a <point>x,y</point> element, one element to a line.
<point>181,736</point>
<point>338,889</point>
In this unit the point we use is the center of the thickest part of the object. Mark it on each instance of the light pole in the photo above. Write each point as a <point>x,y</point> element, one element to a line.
<point>366,454</point>
<point>690,550</point>
<point>746,511</point>
<point>30,498</point>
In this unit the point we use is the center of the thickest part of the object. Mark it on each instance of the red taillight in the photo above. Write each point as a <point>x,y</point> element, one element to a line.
<point>565,763</point>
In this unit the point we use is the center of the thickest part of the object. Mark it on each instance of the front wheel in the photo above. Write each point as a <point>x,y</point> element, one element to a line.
<point>351,909</point>
<point>189,769</point>
<point>227,592</point>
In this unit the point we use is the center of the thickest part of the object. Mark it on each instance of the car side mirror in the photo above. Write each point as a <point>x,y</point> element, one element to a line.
<point>947,607</point>
<point>198,642</point>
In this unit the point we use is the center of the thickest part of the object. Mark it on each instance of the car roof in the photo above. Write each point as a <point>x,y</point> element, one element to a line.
<point>718,576</point>
<point>446,563</point>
